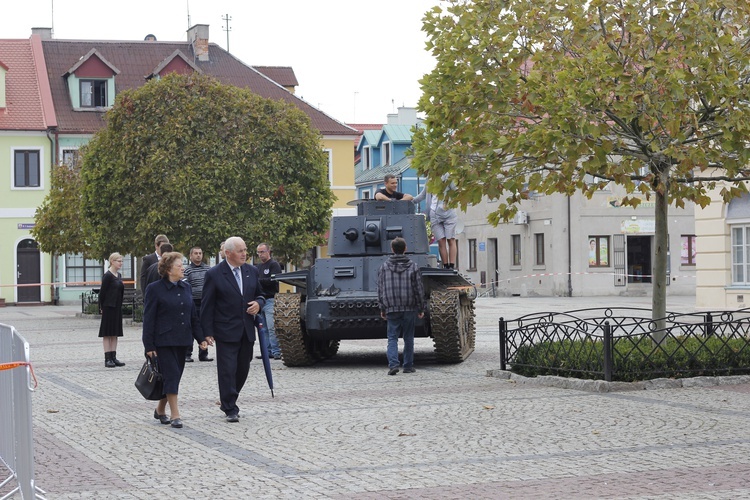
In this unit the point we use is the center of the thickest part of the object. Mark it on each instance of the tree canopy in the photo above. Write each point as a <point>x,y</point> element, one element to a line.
<point>200,161</point>
<point>558,96</point>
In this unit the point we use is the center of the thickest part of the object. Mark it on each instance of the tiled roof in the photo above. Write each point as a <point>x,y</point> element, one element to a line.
<point>361,127</point>
<point>25,95</point>
<point>398,134</point>
<point>371,136</point>
<point>378,173</point>
<point>283,75</point>
<point>137,59</point>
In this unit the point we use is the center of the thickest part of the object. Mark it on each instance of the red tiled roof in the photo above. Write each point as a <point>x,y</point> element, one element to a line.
<point>24,93</point>
<point>137,59</point>
<point>283,75</point>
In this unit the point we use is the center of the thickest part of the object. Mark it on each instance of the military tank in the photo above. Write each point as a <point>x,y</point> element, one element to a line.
<point>337,298</point>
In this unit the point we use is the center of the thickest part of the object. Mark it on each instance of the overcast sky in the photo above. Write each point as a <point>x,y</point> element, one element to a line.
<point>355,60</point>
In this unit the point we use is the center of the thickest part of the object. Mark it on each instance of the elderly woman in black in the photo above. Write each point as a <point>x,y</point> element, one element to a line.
<point>170,322</point>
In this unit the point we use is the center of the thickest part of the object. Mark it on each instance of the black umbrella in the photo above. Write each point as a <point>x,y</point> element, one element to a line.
<point>263,340</point>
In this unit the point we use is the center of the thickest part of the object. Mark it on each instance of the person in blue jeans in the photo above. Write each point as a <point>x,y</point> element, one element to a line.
<point>267,268</point>
<point>401,301</point>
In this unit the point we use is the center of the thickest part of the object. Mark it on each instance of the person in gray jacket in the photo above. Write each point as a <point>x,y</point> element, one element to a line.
<point>401,301</point>
<point>443,223</point>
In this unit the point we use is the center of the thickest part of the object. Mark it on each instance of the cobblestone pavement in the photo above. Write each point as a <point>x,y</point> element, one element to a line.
<point>344,429</point>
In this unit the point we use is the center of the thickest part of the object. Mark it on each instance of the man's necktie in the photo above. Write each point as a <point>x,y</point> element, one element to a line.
<point>238,277</point>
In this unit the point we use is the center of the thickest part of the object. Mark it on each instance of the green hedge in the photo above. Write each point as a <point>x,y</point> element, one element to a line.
<point>635,358</point>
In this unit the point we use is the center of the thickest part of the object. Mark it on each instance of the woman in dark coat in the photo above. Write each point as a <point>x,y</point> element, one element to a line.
<point>110,307</point>
<point>170,322</point>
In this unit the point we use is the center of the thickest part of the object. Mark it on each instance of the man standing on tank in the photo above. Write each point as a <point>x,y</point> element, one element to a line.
<point>401,301</point>
<point>389,191</point>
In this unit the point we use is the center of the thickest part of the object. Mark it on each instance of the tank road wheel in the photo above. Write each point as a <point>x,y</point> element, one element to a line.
<point>327,348</point>
<point>296,346</point>
<point>452,325</point>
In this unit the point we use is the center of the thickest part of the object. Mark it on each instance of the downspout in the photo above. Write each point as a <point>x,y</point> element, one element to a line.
<point>570,255</point>
<point>53,260</point>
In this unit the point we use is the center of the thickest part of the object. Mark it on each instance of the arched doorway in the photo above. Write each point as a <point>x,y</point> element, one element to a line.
<point>28,259</point>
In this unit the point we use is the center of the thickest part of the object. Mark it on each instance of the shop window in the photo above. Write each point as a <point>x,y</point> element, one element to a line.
<point>688,251</point>
<point>598,251</point>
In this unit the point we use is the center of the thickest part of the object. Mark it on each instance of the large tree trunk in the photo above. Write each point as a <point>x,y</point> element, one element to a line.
<point>661,244</point>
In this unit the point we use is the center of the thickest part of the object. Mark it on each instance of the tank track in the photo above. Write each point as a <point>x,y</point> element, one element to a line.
<point>287,318</point>
<point>297,348</point>
<point>452,325</point>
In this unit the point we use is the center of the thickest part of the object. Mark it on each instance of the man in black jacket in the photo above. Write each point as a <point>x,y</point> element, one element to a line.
<point>401,301</point>
<point>151,259</point>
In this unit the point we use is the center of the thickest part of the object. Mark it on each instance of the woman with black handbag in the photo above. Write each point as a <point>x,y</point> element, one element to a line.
<point>170,322</point>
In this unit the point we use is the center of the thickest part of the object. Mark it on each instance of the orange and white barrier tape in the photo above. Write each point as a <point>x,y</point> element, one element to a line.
<point>17,364</point>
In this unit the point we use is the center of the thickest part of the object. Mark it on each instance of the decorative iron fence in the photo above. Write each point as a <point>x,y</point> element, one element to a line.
<point>625,344</point>
<point>132,303</point>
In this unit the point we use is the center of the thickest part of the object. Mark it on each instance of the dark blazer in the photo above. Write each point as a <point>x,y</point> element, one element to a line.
<point>147,261</point>
<point>223,313</point>
<point>112,290</point>
<point>170,318</point>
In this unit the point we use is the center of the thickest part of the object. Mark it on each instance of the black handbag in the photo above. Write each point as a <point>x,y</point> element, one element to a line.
<point>150,382</point>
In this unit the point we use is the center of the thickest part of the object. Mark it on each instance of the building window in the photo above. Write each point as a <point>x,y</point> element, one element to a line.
<point>598,251</point>
<point>26,171</point>
<point>79,270</point>
<point>539,248</point>
<point>472,255</point>
<point>386,153</point>
<point>366,195</point>
<point>741,255</point>
<point>515,243</point>
<point>93,93</point>
<point>688,252</point>
<point>367,159</point>
<point>70,157</point>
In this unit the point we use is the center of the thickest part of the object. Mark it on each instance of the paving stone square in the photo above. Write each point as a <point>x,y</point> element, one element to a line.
<point>344,429</point>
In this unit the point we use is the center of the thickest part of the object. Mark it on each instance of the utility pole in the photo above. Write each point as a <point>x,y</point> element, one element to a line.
<point>226,18</point>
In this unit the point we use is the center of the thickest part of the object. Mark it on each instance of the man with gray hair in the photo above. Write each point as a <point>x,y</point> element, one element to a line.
<point>232,296</point>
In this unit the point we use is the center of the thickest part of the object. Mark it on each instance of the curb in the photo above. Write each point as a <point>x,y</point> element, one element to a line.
<point>604,386</point>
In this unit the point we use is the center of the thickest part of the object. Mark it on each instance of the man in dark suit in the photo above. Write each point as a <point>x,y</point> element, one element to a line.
<point>150,260</point>
<point>232,296</point>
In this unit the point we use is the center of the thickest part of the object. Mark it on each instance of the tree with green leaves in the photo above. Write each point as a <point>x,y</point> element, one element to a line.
<point>58,226</point>
<point>544,96</point>
<point>200,161</point>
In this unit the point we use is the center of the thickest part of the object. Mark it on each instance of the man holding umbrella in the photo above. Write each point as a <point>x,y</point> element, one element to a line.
<point>232,297</point>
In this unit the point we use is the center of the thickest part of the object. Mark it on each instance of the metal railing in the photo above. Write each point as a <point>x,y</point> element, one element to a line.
<point>16,439</point>
<point>626,344</point>
<point>132,304</point>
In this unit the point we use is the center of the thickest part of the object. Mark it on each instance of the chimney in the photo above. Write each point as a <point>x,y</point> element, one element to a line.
<point>44,33</point>
<point>198,39</point>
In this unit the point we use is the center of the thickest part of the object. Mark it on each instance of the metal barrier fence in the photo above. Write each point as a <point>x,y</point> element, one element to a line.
<point>626,344</point>
<point>16,440</point>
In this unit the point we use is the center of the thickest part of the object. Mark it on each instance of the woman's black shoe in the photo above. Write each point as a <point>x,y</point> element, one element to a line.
<point>163,419</point>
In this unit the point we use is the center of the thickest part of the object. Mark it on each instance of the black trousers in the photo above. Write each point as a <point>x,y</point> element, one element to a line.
<point>232,367</point>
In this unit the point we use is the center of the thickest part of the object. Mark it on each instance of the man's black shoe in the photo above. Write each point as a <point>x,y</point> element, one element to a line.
<point>393,371</point>
<point>205,358</point>
<point>233,417</point>
<point>188,359</point>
